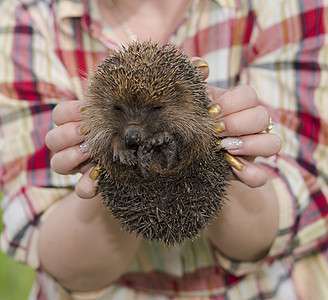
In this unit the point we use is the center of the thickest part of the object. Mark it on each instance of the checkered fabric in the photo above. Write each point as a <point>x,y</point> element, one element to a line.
<point>280,47</point>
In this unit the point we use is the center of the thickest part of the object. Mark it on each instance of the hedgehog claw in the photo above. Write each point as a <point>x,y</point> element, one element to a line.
<point>126,157</point>
<point>167,138</point>
<point>160,139</point>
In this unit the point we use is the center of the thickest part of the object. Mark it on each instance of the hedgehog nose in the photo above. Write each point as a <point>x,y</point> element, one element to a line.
<point>133,137</point>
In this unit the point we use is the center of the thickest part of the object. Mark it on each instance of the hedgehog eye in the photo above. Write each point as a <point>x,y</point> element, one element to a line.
<point>157,107</point>
<point>117,108</point>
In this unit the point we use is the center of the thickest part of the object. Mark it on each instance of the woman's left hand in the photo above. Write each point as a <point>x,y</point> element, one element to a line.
<point>243,130</point>
<point>243,127</point>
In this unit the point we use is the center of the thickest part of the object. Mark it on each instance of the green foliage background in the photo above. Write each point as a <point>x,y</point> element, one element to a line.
<point>15,279</point>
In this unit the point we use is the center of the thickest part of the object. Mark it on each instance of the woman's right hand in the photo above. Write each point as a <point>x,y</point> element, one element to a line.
<point>70,154</point>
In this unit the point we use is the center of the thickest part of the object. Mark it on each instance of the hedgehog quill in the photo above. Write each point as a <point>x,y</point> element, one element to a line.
<point>150,132</point>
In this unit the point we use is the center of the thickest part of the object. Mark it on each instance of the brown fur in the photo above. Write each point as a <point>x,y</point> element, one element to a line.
<point>149,129</point>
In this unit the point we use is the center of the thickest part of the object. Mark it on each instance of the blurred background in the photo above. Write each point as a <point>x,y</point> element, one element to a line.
<point>15,279</point>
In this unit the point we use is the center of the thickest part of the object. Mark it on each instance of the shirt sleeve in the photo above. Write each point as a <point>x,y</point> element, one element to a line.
<point>286,63</point>
<point>32,81</point>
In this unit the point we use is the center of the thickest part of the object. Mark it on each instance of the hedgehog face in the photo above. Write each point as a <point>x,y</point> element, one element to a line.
<point>139,142</point>
<point>144,128</point>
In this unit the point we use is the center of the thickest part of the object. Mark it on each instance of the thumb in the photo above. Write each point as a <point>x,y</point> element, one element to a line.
<point>202,65</point>
<point>87,186</point>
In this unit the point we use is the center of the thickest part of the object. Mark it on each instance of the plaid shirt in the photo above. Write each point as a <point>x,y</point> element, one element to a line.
<point>280,47</point>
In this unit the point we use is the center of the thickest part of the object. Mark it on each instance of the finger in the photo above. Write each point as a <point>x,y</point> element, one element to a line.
<point>64,136</point>
<point>255,145</point>
<point>87,186</point>
<point>66,161</point>
<point>202,66</point>
<point>231,101</point>
<point>85,167</point>
<point>252,174</point>
<point>215,93</point>
<point>67,111</point>
<point>244,122</point>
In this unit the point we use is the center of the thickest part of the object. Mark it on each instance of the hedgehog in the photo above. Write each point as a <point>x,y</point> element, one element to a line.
<point>150,133</point>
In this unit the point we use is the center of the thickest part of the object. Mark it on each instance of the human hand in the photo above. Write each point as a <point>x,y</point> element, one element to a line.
<point>243,126</point>
<point>70,154</point>
<point>242,129</point>
<point>240,119</point>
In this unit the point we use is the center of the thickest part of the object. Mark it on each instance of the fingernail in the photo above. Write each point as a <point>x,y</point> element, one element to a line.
<point>218,144</point>
<point>234,162</point>
<point>200,63</point>
<point>220,127</point>
<point>231,143</point>
<point>83,130</point>
<point>84,148</point>
<point>215,110</point>
<point>94,173</point>
<point>82,109</point>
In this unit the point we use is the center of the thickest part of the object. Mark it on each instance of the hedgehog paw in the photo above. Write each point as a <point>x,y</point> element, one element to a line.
<point>169,152</point>
<point>144,154</point>
<point>166,145</point>
<point>160,139</point>
<point>126,157</point>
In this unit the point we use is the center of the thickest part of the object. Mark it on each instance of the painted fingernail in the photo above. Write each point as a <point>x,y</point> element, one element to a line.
<point>215,110</point>
<point>220,127</point>
<point>231,143</point>
<point>83,130</point>
<point>200,63</point>
<point>218,144</point>
<point>234,162</point>
<point>82,108</point>
<point>84,148</point>
<point>94,173</point>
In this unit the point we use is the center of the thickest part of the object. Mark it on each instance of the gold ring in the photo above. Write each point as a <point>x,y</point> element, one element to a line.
<point>269,128</point>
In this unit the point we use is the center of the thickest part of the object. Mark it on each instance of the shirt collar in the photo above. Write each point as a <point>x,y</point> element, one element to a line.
<point>70,9</point>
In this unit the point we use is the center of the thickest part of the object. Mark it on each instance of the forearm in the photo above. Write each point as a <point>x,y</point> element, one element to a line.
<point>82,246</point>
<point>248,223</point>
